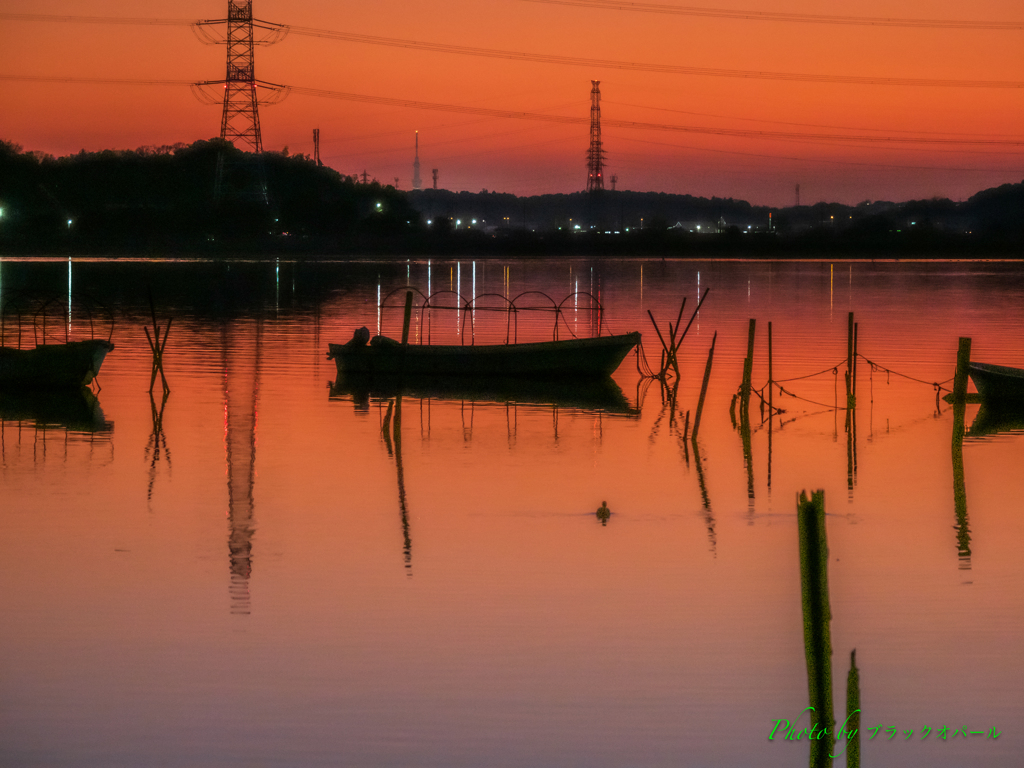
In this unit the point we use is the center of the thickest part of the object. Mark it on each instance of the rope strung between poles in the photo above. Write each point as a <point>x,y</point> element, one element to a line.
<point>832,368</point>
<point>784,391</point>
<point>877,366</point>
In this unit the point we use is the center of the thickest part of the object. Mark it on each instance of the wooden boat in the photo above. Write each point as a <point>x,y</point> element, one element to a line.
<point>997,383</point>
<point>52,366</point>
<point>589,358</point>
<point>597,395</point>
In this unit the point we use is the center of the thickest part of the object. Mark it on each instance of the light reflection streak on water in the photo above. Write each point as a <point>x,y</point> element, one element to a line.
<point>69,295</point>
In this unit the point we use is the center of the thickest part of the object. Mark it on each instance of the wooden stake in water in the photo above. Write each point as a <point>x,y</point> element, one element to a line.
<point>407,318</point>
<point>817,613</point>
<point>852,724</point>
<point>770,380</point>
<point>704,386</point>
<point>157,344</point>
<point>748,368</point>
<point>963,531</point>
<point>856,331</point>
<point>849,359</point>
<point>963,359</point>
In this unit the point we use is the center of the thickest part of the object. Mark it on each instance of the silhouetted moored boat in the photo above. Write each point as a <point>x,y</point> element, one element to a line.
<point>997,383</point>
<point>589,358</point>
<point>52,366</point>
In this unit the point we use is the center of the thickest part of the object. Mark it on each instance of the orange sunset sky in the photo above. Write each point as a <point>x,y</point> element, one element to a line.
<point>938,109</point>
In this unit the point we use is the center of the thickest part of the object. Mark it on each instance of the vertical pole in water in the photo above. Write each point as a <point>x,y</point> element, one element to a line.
<point>817,617</point>
<point>853,402</point>
<point>748,367</point>
<point>769,369</point>
<point>704,387</point>
<point>849,358</point>
<point>407,317</point>
<point>771,410</point>
<point>963,531</point>
<point>963,359</point>
<point>853,384</point>
<point>852,724</point>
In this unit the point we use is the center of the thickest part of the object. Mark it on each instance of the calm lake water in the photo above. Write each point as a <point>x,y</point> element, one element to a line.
<point>257,574</point>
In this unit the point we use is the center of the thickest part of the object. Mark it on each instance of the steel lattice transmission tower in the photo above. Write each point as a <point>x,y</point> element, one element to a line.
<point>595,155</point>
<point>241,118</point>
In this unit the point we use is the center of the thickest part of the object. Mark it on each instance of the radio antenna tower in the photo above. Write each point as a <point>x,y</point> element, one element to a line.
<point>595,155</point>
<point>417,182</point>
<point>316,147</point>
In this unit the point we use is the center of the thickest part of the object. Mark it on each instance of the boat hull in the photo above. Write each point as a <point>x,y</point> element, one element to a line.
<point>52,366</point>
<point>997,383</point>
<point>570,359</point>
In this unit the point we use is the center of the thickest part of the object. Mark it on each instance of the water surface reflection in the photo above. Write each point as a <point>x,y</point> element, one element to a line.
<point>530,633</point>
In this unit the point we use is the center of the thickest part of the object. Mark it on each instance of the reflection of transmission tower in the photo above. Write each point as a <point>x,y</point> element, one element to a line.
<point>595,155</point>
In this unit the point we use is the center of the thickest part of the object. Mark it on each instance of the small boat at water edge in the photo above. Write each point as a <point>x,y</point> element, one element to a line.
<point>52,366</point>
<point>997,383</point>
<point>589,358</point>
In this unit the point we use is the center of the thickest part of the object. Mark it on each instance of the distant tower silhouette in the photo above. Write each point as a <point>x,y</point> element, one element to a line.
<point>614,179</point>
<point>417,183</point>
<point>434,173</point>
<point>595,155</point>
<point>316,147</point>
<point>396,182</point>
<point>797,195</point>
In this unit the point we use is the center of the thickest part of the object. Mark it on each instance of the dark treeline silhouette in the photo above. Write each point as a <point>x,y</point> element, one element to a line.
<point>157,200</point>
<point>626,221</point>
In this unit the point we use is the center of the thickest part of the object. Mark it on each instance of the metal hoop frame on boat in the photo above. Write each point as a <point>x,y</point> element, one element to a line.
<point>512,307</point>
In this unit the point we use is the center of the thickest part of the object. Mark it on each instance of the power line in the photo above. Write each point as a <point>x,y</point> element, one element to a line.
<point>97,19</point>
<point>574,120</point>
<point>93,80</point>
<point>560,119</point>
<point>796,18</point>
<point>573,61</point>
<point>801,159</point>
<point>802,125</point>
<point>670,69</point>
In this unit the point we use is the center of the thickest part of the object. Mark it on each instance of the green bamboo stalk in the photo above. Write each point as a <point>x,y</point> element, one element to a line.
<point>852,725</point>
<point>817,617</point>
